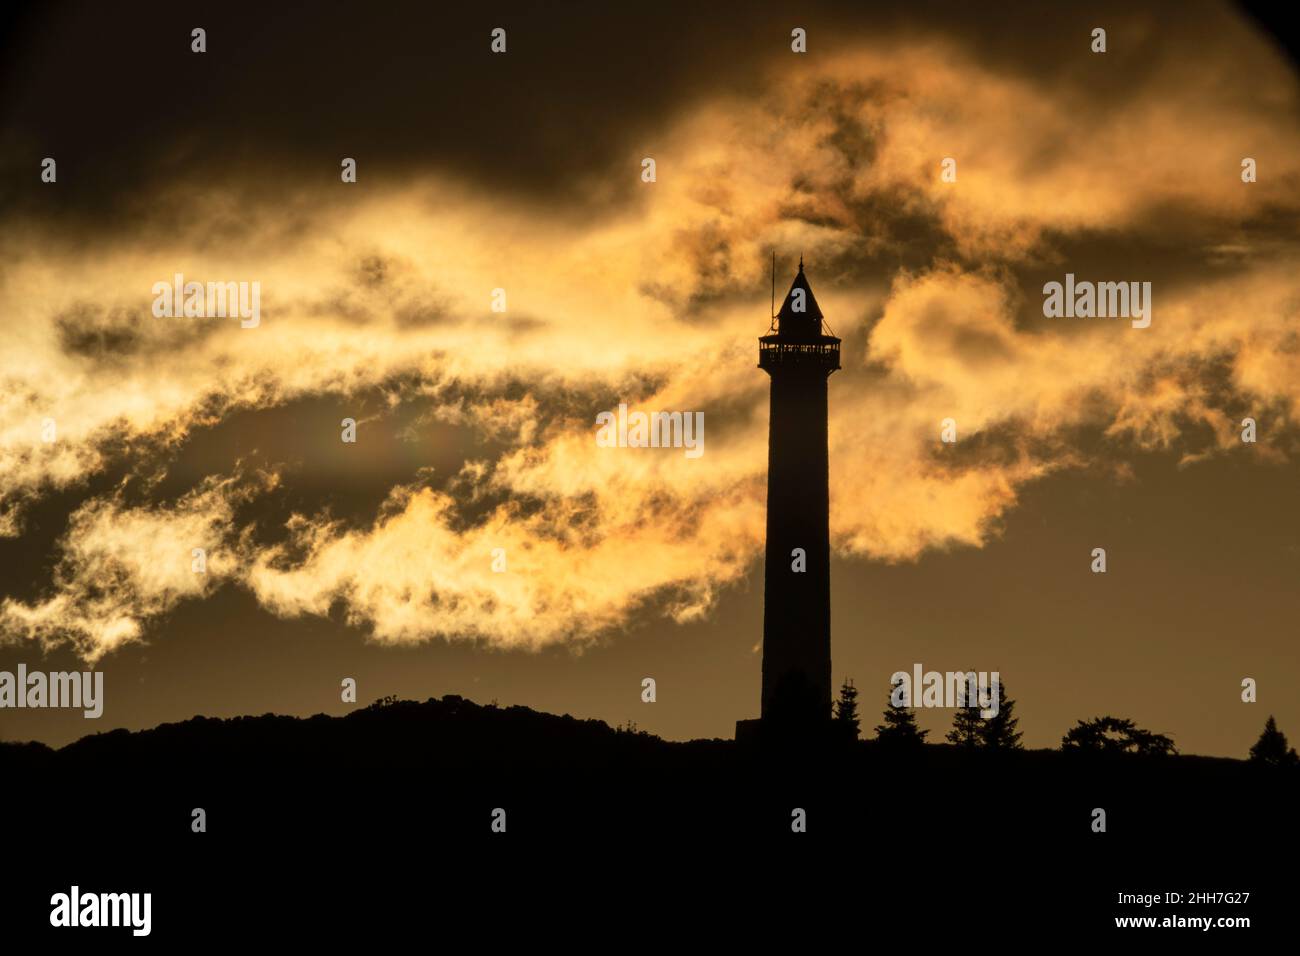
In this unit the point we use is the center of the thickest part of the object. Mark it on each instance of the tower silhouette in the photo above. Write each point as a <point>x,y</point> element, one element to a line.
<point>800,357</point>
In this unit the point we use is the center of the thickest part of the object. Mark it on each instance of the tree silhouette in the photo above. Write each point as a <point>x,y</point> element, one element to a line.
<point>967,725</point>
<point>900,727</point>
<point>1116,735</point>
<point>1271,748</point>
<point>999,731</point>
<point>846,710</point>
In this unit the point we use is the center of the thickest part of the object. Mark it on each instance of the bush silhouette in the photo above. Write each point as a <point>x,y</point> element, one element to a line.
<point>1116,735</point>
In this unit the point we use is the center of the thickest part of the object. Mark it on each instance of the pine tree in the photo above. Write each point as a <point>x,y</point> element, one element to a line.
<point>846,710</point>
<point>967,725</point>
<point>900,726</point>
<point>999,732</point>
<point>1271,748</point>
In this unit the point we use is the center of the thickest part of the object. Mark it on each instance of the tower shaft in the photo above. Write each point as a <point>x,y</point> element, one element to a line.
<point>797,603</point>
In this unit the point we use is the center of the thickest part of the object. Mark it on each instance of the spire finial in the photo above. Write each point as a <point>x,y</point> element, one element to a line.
<point>801,262</point>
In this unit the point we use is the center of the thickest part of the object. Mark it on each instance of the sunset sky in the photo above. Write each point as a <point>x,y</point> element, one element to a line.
<point>476,429</point>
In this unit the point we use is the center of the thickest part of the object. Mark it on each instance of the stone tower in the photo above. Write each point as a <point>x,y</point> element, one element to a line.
<point>800,357</point>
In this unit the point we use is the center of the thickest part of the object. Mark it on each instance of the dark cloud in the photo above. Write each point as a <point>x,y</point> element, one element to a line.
<point>113,335</point>
<point>283,93</point>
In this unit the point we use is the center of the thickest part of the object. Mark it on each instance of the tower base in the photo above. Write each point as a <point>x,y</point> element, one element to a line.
<point>758,732</point>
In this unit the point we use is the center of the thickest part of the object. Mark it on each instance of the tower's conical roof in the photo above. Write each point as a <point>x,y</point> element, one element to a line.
<point>804,323</point>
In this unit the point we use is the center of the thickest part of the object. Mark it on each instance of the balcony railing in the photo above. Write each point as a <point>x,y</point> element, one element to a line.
<point>776,354</point>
